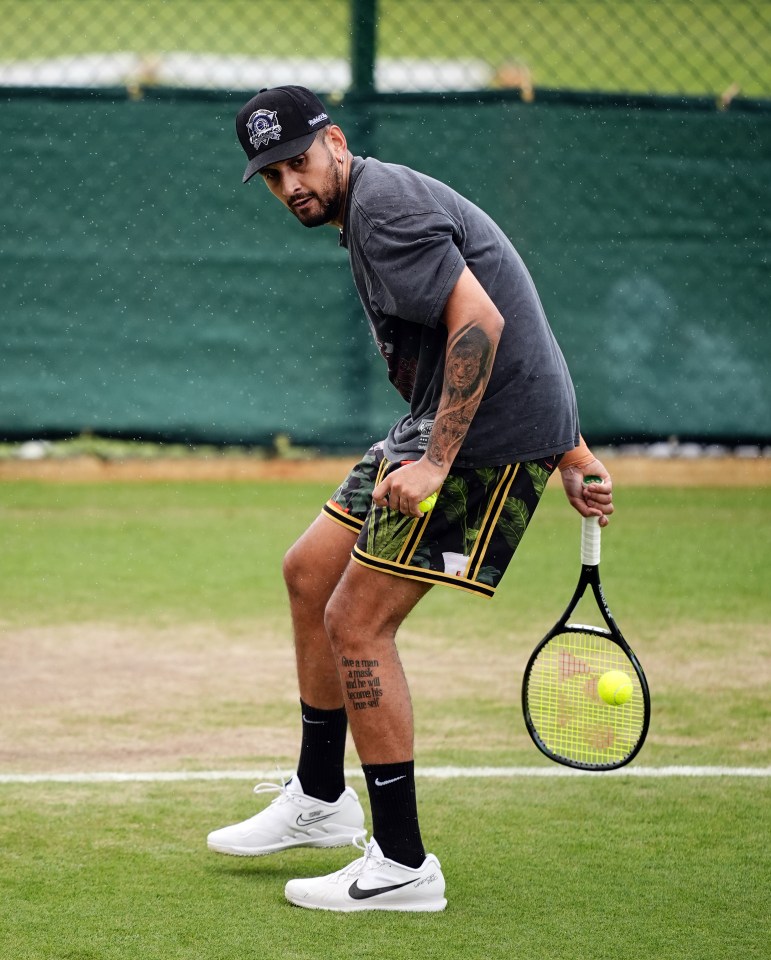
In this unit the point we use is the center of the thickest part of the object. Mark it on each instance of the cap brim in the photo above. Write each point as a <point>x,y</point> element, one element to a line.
<point>282,151</point>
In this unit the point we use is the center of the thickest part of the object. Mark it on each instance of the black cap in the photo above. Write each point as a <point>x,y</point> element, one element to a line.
<point>278,124</point>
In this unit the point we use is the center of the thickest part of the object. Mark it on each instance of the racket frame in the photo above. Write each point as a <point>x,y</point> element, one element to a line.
<point>589,577</point>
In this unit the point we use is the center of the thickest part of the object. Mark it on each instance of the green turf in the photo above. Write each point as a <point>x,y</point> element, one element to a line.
<point>683,47</point>
<point>535,869</point>
<point>685,572</point>
<point>198,550</point>
<point>187,551</point>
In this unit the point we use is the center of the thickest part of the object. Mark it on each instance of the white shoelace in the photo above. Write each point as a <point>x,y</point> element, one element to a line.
<point>280,788</point>
<point>356,868</point>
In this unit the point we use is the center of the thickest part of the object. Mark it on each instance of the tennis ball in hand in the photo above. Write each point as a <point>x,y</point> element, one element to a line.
<point>428,503</point>
<point>615,687</point>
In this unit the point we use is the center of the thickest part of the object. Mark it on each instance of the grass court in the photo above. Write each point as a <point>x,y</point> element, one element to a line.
<point>143,628</point>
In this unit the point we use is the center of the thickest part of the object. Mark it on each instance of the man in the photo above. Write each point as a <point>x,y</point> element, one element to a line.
<point>491,414</point>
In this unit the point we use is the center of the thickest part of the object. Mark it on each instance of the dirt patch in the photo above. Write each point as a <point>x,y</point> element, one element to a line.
<point>100,696</point>
<point>721,664</point>
<point>628,471</point>
<point>104,697</point>
<point>224,469</point>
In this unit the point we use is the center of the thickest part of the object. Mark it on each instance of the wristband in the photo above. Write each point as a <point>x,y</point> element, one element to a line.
<point>580,456</point>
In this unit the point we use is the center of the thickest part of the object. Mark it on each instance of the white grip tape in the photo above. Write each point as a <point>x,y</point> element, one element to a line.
<point>590,541</point>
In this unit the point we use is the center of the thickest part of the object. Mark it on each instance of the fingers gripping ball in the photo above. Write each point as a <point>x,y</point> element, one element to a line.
<point>428,503</point>
<point>615,688</point>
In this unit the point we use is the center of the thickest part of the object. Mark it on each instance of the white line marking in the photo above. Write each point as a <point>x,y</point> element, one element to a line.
<point>431,773</point>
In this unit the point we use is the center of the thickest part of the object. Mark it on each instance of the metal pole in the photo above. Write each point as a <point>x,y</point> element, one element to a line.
<point>363,45</point>
<point>358,122</point>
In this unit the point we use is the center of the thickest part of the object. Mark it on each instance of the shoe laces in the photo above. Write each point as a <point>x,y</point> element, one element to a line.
<point>280,788</point>
<point>355,869</point>
<point>358,867</point>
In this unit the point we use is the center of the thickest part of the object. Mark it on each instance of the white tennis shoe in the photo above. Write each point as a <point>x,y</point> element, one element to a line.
<point>292,820</point>
<point>373,883</point>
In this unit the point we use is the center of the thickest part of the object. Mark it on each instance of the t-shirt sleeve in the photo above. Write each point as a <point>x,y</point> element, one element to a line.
<point>413,264</point>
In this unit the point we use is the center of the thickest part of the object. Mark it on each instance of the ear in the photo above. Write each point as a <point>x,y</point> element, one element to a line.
<point>337,142</point>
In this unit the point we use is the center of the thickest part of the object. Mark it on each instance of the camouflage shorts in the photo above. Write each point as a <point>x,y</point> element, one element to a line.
<point>465,541</point>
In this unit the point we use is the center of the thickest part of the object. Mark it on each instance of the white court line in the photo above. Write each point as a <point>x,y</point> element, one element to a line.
<point>431,773</point>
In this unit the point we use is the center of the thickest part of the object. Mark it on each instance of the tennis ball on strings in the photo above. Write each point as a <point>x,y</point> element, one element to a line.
<point>615,687</point>
<point>428,503</point>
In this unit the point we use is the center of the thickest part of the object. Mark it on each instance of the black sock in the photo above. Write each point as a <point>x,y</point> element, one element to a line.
<point>395,811</point>
<point>322,752</point>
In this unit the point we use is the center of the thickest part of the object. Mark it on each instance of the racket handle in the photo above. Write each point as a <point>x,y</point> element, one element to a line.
<point>590,541</point>
<point>590,535</point>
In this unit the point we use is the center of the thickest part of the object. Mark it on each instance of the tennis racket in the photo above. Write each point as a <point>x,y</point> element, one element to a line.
<point>577,710</point>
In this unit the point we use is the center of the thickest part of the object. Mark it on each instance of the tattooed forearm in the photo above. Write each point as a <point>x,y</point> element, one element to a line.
<point>468,363</point>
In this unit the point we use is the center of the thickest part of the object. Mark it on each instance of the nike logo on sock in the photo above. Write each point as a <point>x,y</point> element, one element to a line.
<point>357,893</point>
<point>384,783</point>
<point>306,720</point>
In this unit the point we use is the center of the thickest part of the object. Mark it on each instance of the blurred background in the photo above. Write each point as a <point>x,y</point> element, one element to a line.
<point>145,293</point>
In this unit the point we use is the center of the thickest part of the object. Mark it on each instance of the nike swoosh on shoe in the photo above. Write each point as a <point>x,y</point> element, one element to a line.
<point>303,821</point>
<point>357,893</point>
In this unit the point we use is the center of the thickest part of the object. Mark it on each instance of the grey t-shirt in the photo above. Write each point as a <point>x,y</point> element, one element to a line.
<point>409,238</point>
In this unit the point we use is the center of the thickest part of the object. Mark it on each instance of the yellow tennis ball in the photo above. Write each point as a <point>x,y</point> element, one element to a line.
<point>428,503</point>
<point>615,687</point>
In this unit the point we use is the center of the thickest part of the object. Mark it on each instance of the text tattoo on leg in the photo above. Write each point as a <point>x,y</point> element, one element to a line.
<point>362,683</point>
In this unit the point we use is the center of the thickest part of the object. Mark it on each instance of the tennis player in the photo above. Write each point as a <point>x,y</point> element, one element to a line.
<point>490,414</point>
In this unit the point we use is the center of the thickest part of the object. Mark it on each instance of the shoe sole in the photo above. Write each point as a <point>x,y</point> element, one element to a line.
<point>434,906</point>
<point>336,840</point>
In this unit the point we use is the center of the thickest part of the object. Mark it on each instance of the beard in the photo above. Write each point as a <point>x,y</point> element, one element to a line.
<point>323,205</point>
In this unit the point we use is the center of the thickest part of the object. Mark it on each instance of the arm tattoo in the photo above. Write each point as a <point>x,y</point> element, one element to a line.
<point>468,363</point>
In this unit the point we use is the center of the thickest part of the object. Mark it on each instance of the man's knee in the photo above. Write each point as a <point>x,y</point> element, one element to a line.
<point>355,619</point>
<point>314,564</point>
<point>354,625</point>
<point>298,570</point>
<point>336,623</point>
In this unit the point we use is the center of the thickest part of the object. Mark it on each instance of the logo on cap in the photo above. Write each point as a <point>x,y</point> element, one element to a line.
<point>263,126</point>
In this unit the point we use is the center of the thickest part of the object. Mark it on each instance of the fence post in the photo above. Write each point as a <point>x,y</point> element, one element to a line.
<point>363,45</point>
<point>358,121</point>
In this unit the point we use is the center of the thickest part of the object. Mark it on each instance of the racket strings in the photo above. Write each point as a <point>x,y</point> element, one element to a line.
<point>569,715</point>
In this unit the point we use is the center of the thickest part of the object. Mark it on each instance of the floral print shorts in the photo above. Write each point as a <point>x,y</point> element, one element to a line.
<point>465,541</point>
